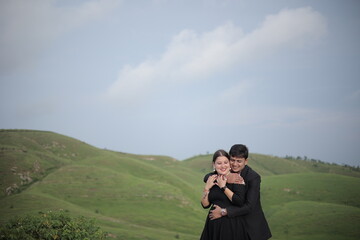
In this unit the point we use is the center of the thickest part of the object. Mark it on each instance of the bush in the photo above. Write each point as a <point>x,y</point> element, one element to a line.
<point>50,226</point>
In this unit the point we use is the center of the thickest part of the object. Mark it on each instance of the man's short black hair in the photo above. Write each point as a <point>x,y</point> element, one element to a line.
<point>239,151</point>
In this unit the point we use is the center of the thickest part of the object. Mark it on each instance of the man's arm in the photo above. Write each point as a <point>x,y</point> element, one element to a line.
<point>238,198</point>
<point>252,198</point>
<point>236,189</point>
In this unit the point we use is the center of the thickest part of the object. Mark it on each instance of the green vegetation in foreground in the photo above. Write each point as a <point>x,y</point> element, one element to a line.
<point>51,225</point>
<point>157,197</point>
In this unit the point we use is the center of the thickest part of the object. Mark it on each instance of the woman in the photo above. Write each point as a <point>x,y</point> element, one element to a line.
<point>218,192</point>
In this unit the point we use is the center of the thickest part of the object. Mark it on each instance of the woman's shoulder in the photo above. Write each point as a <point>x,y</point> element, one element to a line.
<point>208,175</point>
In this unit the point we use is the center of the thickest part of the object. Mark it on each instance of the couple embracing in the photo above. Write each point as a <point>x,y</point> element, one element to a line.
<point>233,191</point>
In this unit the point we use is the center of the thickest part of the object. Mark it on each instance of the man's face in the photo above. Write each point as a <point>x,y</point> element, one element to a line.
<point>237,164</point>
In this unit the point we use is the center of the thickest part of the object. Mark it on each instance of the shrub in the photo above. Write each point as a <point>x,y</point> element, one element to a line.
<point>51,226</point>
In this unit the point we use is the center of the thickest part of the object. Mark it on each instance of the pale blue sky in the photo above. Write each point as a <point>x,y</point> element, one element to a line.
<point>182,78</point>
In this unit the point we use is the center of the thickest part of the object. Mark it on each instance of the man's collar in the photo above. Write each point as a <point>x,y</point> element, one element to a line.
<point>244,172</point>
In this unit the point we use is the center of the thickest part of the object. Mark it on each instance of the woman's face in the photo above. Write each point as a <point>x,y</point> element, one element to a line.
<point>222,165</point>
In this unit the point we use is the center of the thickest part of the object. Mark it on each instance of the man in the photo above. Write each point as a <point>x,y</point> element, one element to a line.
<point>256,224</point>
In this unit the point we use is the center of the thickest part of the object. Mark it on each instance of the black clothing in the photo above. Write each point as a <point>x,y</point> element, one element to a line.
<point>251,211</point>
<point>225,228</point>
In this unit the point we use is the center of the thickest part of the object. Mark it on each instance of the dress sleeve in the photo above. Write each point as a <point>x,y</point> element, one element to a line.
<point>205,207</point>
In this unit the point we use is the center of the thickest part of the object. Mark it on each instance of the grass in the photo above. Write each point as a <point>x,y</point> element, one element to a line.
<point>157,197</point>
<point>301,219</point>
<point>319,187</point>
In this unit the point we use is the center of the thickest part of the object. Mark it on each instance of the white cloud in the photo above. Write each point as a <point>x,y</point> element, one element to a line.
<point>289,27</point>
<point>191,56</point>
<point>28,27</point>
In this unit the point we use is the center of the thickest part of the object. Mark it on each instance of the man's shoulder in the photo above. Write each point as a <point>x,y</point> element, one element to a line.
<point>251,173</point>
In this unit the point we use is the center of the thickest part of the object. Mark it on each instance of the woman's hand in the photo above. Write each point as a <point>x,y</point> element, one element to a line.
<point>221,181</point>
<point>210,182</point>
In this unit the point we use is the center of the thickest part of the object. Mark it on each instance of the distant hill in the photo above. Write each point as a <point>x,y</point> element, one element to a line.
<point>157,197</point>
<point>267,165</point>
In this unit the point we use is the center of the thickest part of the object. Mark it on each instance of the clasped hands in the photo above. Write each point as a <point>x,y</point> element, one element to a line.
<point>221,181</point>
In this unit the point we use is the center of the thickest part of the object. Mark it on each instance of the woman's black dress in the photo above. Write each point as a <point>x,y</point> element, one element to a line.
<point>225,228</point>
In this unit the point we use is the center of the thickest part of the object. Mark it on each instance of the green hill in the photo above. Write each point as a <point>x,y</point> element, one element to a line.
<point>157,197</point>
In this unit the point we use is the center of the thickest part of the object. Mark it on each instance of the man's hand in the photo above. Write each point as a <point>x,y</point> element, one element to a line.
<point>215,213</point>
<point>235,178</point>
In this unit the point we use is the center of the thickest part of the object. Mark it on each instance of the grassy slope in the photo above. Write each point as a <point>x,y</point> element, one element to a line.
<point>157,197</point>
<point>133,196</point>
<point>315,220</point>
<point>302,205</point>
<point>36,154</point>
<point>304,199</point>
